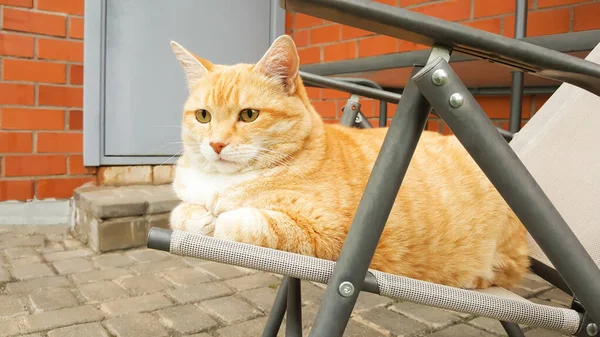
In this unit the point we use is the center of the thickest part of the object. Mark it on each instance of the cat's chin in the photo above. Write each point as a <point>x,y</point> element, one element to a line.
<point>226,166</point>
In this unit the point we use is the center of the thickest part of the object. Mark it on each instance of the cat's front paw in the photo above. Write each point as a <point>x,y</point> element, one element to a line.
<point>246,225</point>
<point>192,218</point>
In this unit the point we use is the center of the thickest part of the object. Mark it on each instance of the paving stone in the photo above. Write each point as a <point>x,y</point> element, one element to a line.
<point>262,298</point>
<point>25,260</point>
<point>311,293</point>
<point>558,296</point>
<point>186,319</point>
<point>3,260</point>
<point>12,305</point>
<point>11,326</point>
<point>18,252</point>
<point>543,333</point>
<point>251,328</point>
<point>63,317</point>
<point>143,284</point>
<point>10,241</point>
<point>34,284</point>
<point>50,247</point>
<point>392,321</point>
<point>188,276</point>
<point>147,255</point>
<point>199,292</point>
<point>101,291</point>
<point>100,275</point>
<point>135,304</point>
<point>488,324</point>
<point>31,271</point>
<point>77,265</point>
<point>222,271</point>
<point>112,260</point>
<point>432,317</point>
<point>199,335</point>
<point>69,254</point>
<point>135,325</point>
<point>461,330</point>
<point>534,283</point>
<point>56,237</point>
<point>4,275</point>
<point>546,302</point>
<point>356,329</point>
<point>368,301</point>
<point>71,244</point>
<point>81,330</point>
<point>253,281</point>
<point>230,309</point>
<point>51,299</point>
<point>194,262</point>
<point>160,266</point>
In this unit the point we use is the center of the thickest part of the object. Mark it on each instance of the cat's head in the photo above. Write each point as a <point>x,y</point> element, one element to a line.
<point>246,116</point>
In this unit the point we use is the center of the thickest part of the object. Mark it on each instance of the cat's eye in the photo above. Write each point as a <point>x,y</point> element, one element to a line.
<point>248,115</point>
<point>203,116</point>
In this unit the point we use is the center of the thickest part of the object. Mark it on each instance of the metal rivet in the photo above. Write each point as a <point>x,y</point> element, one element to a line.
<point>346,289</point>
<point>439,77</point>
<point>353,107</point>
<point>592,329</point>
<point>456,100</point>
<point>358,119</point>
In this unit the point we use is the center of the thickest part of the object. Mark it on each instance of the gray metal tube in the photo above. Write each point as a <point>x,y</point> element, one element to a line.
<point>516,89</point>
<point>515,183</point>
<point>372,213</point>
<point>277,310</point>
<point>350,111</point>
<point>293,322</point>
<point>382,114</point>
<point>512,329</point>
<point>350,87</point>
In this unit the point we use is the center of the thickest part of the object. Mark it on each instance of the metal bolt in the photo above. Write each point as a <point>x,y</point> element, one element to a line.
<point>353,107</point>
<point>592,329</point>
<point>358,119</point>
<point>456,100</point>
<point>439,77</point>
<point>346,289</point>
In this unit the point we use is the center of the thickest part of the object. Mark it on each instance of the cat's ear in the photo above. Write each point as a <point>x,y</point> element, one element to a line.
<point>281,62</point>
<point>195,68</point>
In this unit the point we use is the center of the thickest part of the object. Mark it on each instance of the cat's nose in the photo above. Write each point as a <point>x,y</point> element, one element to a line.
<point>217,147</point>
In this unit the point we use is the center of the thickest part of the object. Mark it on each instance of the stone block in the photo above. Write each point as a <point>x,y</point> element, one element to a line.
<point>162,174</point>
<point>100,275</point>
<point>143,284</point>
<point>158,220</point>
<point>112,260</point>
<point>230,309</point>
<point>187,276</point>
<point>125,175</point>
<point>135,304</point>
<point>199,292</point>
<point>77,265</point>
<point>161,199</point>
<point>70,254</point>
<point>4,275</point>
<point>11,306</point>
<point>392,321</point>
<point>118,233</point>
<point>52,299</point>
<point>461,330</point>
<point>253,281</point>
<point>28,271</point>
<point>262,298</point>
<point>101,291</point>
<point>135,325</point>
<point>34,284</point>
<point>81,330</point>
<point>432,317</point>
<point>63,317</point>
<point>186,319</point>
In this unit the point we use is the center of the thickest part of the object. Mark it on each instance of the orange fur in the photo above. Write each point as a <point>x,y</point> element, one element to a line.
<point>290,182</point>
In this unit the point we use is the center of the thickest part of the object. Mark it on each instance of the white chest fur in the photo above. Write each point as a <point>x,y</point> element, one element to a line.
<point>201,188</point>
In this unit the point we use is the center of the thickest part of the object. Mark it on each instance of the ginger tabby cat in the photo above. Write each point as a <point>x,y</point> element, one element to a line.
<point>260,166</point>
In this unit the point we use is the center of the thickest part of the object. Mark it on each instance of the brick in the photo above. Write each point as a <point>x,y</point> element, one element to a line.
<point>262,298</point>
<point>327,93</point>
<point>306,21</point>
<point>100,275</point>
<point>222,271</point>
<point>16,190</point>
<point>340,51</point>
<point>30,271</point>
<point>498,107</point>
<point>309,55</point>
<point>253,281</point>
<point>135,325</point>
<point>302,38</point>
<point>11,306</point>
<point>482,8</point>
<point>376,45</point>
<point>154,267</point>
<point>16,142</point>
<point>34,22</point>
<point>34,71</point>
<point>230,309</point>
<point>135,304</point>
<point>349,32</point>
<point>60,96</point>
<point>87,330</point>
<point>433,317</point>
<point>489,25</point>
<point>16,45</point>
<point>52,299</point>
<point>19,3</point>
<point>77,265</point>
<point>32,119</point>
<point>75,120</point>
<point>325,34</point>
<point>451,10</point>
<point>60,50</point>
<point>585,17</point>
<point>313,93</point>
<point>326,108</point>
<point>186,319</point>
<point>59,142</point>
<point>76,28</point>
<point>143,284</point>
<point>199,292</point>
<point>71,254</point>
<point>19,94</point>
<point>101,291</point>
<point>63,317</point>
<point>554,3</point>
<point>75,7</point>
<point>187,276</point>
<point>34,165</point>
<point>541,23</point>
<point>112,260</point>
<point>394,322</point>
<point>76,74</point>
<point>462,330</point>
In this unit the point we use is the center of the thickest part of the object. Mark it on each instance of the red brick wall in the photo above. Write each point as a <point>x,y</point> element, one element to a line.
<point>322,41</point>
<point>41,99</point>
